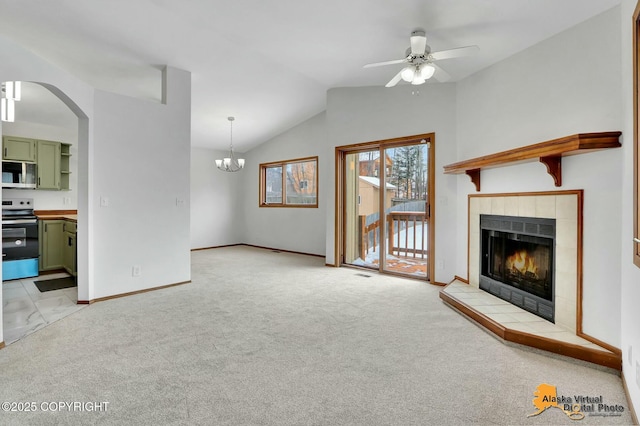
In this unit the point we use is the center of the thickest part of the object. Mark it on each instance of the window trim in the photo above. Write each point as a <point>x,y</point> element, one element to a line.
<point>262,184</point>
<point>636,139</point>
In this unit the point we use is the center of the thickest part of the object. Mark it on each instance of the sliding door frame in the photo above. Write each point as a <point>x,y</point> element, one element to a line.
<point>341,153</point>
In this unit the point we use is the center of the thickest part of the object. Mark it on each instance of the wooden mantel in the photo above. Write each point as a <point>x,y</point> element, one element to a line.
<point>549,153</point>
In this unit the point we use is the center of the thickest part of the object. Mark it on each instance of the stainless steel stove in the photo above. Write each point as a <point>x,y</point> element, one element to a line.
<point>20,248</point>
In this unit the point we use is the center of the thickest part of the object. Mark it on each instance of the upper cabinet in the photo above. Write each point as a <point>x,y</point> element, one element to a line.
<point>48,165</point>
<point>18,149</point>
<point>51,158</point>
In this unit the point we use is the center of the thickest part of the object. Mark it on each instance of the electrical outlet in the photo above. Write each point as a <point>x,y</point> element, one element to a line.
<point>440,264</point>
<point>135,271</point>
<point>66,200</point>
<point>104,201</point>
<point>179,202</point>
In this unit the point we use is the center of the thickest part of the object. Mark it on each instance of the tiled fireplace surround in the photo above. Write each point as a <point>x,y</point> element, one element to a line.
<point>563,206</point>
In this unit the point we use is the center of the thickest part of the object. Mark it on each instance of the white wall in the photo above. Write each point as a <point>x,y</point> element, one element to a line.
<point>215,217</point>
<point>142,155</point>
<point>295,229</point>
<point>43,199</point>
<point>367,114</point>
<point>564,85</point>
<point>630,274</point>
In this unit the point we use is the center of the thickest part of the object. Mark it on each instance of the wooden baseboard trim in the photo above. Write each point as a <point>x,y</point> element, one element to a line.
<point>439,284</point>
<point>85,302</point>
<point>457,278</point>
<point>260,247</point>
<point>216,247</point>
<point>610,360</point>
<point>283,250</point>
<point>330,265</point>
<point>131,293</point>
<point>2,345</point>
<point>632,410</point>
<point>600,343</point>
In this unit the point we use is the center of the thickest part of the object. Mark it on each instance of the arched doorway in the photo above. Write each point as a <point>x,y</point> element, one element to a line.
<point>47,113</point>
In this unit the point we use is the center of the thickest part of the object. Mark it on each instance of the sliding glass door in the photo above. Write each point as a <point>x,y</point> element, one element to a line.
<point>406,210</point>
<point>386,204</point>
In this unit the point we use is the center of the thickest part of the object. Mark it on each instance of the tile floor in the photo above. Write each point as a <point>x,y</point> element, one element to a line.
<point>513,317</point>
<point>25,309</point>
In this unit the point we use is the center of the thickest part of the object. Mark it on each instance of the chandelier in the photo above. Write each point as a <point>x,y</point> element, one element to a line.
<point>230,163</point>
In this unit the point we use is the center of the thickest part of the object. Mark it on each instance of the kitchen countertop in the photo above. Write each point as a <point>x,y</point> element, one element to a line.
<point>56,215</point>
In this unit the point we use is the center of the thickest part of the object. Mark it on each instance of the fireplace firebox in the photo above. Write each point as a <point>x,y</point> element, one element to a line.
<point>517,261</point>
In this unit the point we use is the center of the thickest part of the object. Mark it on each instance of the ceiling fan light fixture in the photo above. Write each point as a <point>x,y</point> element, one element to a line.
<point>427,71</point>
<point>408,73</point>
<point>417,80</point>
<point>7,110</point>
<point>13,90</point>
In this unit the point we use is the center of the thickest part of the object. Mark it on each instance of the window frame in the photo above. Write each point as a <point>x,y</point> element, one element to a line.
<point>262,184</point>
<point>636,139</point>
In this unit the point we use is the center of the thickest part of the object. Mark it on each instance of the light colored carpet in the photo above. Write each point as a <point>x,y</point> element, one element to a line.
<point>276,338</point>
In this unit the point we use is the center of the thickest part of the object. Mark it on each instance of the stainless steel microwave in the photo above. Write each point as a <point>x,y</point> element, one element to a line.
<point>18,174</point>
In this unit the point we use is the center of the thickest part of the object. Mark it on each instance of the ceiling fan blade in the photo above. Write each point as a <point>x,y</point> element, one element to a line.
<point>380,64</point>
<point>454,53</point>
<point>440,74</point>
<point>418,43</point>
<point>394,80</point>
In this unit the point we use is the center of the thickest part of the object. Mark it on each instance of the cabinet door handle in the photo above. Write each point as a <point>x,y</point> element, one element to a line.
<point>5,152</point>
<point>636,240</point>
<point>45,227</point>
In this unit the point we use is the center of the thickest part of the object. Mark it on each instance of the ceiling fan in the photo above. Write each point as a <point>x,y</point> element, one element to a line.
<point>420,61</point>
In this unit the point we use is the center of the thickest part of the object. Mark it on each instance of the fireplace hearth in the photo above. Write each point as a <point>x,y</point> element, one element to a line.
<point>517,261</point>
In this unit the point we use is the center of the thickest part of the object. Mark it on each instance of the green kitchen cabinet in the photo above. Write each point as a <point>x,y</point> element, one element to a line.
<point>52,159</point>
<point>65,154</point>
<point>18,149</point>
<point>51,244</point>
<point>48,164</point>
<point>69,248</point>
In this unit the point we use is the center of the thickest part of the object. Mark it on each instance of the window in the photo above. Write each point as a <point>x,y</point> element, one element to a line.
<point>290,183</point>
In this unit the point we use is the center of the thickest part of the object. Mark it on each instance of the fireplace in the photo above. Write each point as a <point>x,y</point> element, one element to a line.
<point>517,261</point>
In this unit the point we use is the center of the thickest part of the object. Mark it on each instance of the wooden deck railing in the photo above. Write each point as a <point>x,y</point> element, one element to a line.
<point>397,222</point>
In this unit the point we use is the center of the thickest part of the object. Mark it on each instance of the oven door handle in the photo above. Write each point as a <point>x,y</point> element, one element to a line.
<point>19,221</point>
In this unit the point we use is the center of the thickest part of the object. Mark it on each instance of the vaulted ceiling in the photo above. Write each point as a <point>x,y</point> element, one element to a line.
<point>270,62</point>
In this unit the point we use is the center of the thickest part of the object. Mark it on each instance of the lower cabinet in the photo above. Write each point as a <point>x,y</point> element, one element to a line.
<point>58,245</point>
<point>69,248</point>
<point>51,236</point>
